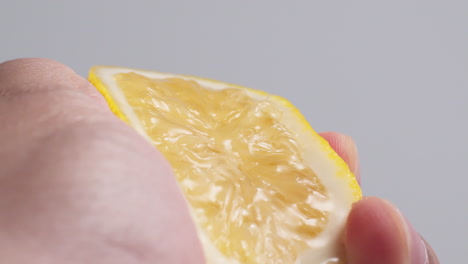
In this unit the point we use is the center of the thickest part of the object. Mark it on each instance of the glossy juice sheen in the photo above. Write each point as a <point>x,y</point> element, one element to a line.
<point>239,167</point>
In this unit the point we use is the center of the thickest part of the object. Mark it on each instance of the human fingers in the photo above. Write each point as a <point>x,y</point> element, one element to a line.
<point>76,184</point>
<point>345,147</point>
<point>376,232</point>
<point>431,255</point>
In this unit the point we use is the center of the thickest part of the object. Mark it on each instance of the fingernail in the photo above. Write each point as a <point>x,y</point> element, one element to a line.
<point>431,255</point>
<point>417,247</point>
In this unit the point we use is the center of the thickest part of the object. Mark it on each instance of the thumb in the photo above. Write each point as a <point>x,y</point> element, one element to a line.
<point>377,232</point>
<point>76,184</point>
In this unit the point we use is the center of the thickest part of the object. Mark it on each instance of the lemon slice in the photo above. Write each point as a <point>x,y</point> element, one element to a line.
<point>261,184</point>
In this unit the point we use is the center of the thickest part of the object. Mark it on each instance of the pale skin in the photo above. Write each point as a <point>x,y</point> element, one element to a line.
<point>77,185</point>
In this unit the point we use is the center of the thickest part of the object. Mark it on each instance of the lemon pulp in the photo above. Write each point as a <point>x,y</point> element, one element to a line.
<point>240,168</point>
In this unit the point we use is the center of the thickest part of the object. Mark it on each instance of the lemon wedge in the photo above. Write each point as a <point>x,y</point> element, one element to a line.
<point>262,186</point>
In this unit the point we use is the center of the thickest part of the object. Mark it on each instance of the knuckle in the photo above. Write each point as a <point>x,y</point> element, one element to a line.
<point>43,94</point>
<point>31,75</point>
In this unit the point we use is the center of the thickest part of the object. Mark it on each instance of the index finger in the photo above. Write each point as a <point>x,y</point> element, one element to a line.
<point>346,148</point>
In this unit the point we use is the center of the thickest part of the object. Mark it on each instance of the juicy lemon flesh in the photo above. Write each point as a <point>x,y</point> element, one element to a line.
<point>238,165</point>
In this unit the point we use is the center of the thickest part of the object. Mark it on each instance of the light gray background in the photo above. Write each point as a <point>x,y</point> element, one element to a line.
<point>392,74</point>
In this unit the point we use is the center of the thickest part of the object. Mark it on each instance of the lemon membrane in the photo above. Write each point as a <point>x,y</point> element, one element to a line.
<point>242,168</point>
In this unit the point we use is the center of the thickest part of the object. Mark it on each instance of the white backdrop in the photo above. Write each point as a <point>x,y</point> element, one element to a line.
<point>392,74</point>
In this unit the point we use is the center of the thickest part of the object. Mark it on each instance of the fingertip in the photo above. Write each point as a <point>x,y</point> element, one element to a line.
<point>375,233</point>
<point>346,148</point>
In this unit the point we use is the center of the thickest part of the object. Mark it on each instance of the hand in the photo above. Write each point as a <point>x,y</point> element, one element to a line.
<point>77,185</point>
<point>376,231</point>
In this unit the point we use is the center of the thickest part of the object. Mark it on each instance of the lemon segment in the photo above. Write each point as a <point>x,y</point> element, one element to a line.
<point>262,185</point>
